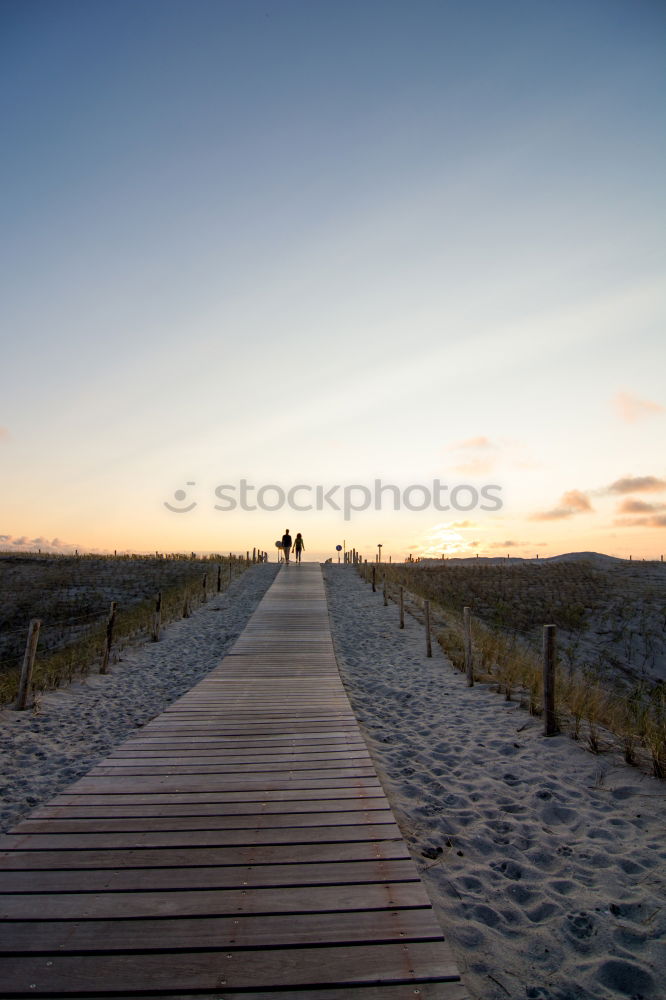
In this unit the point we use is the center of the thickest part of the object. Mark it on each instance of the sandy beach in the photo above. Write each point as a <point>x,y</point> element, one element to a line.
<point>545,864</point>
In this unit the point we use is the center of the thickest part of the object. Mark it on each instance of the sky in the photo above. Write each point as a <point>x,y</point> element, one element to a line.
<point>317,245</point>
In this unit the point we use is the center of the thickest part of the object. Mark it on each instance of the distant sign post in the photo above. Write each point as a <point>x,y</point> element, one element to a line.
<point>338,549</point>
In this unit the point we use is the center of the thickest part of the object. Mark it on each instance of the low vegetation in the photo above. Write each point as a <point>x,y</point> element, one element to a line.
<point>605,700</point>
<point>72,595</point>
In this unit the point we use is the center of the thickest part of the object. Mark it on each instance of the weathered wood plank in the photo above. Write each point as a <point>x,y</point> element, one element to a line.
<point>281,967</point>
<point>209,877</point>
<point>258,784</point>
<point>183,934</point>
<point>338,805</point>
<point>249,854</point>
<point>270,821</point>
<point>283,899</point>
<point>321,793</point>
<point>442,990</point>
<point>202,838</point>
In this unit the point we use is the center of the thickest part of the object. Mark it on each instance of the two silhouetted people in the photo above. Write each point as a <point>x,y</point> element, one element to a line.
<point>287,545</point>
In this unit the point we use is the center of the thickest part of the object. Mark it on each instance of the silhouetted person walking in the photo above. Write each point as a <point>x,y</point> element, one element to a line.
<point>299,546</point>
<point>286,545</point>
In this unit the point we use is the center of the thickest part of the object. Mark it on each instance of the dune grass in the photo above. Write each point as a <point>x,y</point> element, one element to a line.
<point>72,597</point>
<point>596,706</point>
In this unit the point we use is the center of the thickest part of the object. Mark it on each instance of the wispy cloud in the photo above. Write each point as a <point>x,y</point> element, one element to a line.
<point>572,502</point>
<point>4,434</point>
<point>474,442</point>
<point>630,408</point>
<point>506,545</point>
<point>654,521</point>
<point>632,506</point>
<point>21,543</point>
<point>475,467</point>
<point>637,484</point>
<point>476,454</point>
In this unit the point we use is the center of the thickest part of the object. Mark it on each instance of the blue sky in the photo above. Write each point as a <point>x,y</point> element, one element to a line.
<point>325,242</point>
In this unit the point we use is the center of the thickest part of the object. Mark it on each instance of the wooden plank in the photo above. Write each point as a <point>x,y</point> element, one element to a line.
<point>208,877</point>
<point>179,934</point>
<point>443,990</point>
<point>321,792</point>
<point>270,821</point>
<point>284,968</point>
<point>181,809</point>
<point>250,854</point>
<point>257,784</point>
<point>230,755</point>
<point>202,838</point>
<point>202,902</point>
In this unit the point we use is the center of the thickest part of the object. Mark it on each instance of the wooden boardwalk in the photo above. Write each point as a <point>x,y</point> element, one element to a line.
<point>239,845</point>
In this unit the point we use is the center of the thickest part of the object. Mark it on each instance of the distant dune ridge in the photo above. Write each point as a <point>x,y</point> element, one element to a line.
<point>595,558</point>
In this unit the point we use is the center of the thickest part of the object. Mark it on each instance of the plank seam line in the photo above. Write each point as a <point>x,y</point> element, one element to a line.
<point>215,949</point>
<point>174,890</point>
<point>234,915</point>
<point>172,847</point>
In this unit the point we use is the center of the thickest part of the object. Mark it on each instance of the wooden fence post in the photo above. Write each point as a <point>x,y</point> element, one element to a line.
<point>219,577</point>
<point>385,594</point>
<point>549,649</point>
<point>402,607</point>
<point>28,664</point>
<point>469,665</point>
<point>109,638</point>
<point>204,588</point>
<point>157,618</point>
<point>426,606</point>
<point>374,578</point>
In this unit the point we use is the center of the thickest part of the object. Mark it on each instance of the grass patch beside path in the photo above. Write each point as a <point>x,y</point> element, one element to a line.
<point>71,595</point>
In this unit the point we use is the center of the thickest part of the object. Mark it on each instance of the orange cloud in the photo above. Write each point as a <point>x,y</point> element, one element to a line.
<point>655,521</point>
<point>572,502</point>
<point>475,467</point>
<point>631,408</point>
<point>637,484</point>
<point>576,500</point>
<point>477,442</point>
<point>25,544</point>
<point>632,506</point>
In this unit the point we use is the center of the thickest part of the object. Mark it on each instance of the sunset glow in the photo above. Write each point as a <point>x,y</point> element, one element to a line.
<point>301,244</point>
